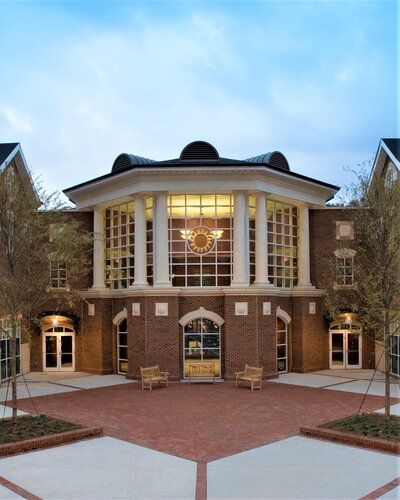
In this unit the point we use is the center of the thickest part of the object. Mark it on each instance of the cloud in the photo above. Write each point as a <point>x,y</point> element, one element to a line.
<point>249,78</point>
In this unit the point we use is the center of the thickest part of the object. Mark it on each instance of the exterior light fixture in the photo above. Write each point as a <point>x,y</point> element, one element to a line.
<point>348,320</point>
<point>55,321</point>
<point>217,233</point>
<point>185,233</point>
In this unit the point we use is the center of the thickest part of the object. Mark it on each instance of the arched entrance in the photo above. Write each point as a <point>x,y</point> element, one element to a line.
<point>345,346</point>
<point>58,331</point>
<point>58,349</point>
<point>202,339</point>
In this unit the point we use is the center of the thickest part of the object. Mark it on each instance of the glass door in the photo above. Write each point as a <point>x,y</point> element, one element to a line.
<point>51,353</point>
<point>58,349</point>
<point>345,350</point>
<point>201,344</point>
<point>337,349</point>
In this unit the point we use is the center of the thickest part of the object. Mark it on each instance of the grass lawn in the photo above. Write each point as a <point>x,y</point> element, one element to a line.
<point>368,424</point>
<point>28,427</point>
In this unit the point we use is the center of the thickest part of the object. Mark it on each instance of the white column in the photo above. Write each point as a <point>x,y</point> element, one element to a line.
<point>98,249</point>
<point>140,242</point>
<point>240,241</point>
<point>261,278</point>
<point>304,247</point>
<point>160,239</point>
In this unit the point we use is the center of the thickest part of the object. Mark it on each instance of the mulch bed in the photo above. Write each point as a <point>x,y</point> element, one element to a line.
<point>36,432</point>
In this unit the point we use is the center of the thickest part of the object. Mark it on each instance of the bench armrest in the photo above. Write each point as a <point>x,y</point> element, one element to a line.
<point>164,374</point>
<point>239,373</point>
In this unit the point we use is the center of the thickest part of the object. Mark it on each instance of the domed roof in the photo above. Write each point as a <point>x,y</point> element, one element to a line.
<point>199,150</point>
<point>276,159</point>
<point>125,160</point>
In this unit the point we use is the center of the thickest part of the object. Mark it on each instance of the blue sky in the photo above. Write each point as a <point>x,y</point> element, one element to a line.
<point>82,82</point>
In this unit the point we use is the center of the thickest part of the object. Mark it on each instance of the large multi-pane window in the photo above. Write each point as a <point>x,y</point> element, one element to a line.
<point>149,238</point>
<point>119,227</point>
<point>122,346</point>
<point>282,244</point>
<point>252,238</point>
<point>200,239</point>
<point>5,349</point>
<point>281,345</point>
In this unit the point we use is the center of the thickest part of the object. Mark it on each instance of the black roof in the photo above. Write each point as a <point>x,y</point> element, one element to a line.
<point>197,154</point>
<point>394,146</point>
<point>5,150</point>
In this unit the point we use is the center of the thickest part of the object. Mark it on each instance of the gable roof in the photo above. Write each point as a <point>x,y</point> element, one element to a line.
<point>388,150</point>
<point>6,150</point>
<point>12,153</point>
<point>393,145</point>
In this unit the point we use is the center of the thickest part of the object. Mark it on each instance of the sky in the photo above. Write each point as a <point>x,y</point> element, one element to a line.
<point>82,82</point>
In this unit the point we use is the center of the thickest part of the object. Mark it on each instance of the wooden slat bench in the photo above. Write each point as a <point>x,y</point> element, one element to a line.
<point>201,371</point>
<point>250,374</point>
<point>151,375</point>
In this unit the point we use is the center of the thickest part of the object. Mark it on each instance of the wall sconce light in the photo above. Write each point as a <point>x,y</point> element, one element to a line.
<point>55,321</point>
<point>217,233</point>
<point>185,233</point>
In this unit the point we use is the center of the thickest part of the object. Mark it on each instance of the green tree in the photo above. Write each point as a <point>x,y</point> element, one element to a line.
<point>374,205</point>
<point>35,229</point>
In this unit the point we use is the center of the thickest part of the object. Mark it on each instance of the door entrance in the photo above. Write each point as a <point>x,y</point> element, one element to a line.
<point>201,344</point>
<point>344,349</point>
<point>59,349</point>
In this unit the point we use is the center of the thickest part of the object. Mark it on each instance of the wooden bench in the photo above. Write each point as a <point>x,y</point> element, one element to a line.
<point>250,374</point>
<point>151,375</point>
<point>201,370</point>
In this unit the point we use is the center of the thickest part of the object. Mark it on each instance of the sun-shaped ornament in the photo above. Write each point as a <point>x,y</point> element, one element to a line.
<point>201,240</point>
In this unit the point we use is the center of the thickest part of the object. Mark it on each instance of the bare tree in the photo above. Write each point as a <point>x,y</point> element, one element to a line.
<point>375,210</point>
<point>35,229</point>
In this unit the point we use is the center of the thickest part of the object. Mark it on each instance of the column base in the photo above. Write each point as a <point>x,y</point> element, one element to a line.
<point>139,285</point>
<point>167,284</point>
<point>239,284</point>
<point>262,284</point>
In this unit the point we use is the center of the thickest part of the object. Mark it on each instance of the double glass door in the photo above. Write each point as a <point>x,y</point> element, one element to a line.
<point>345,350</point>
<point>201,344</point>
<point>58,349</point>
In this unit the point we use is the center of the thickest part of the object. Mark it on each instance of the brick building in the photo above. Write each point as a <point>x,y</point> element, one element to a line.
<point>204,258</point>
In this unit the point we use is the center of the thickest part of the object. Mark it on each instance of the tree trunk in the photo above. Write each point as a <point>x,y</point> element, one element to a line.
<point>386,345</point>
<point>13,352</point>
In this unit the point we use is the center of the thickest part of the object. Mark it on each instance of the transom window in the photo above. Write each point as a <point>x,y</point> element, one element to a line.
<point>119,227</point>
<point>282,244</point>
<point>200,239</point>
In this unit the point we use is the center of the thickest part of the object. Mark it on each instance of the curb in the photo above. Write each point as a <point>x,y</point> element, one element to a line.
<point>50,440</point>
<point>349,438</point>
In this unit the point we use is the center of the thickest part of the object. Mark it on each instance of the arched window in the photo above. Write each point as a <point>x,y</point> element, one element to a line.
<point>281,345</point>
<point>122,347</point>
<point>201,343</point>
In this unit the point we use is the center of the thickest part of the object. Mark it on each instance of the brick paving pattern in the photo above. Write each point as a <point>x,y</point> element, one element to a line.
<point>202,422</point>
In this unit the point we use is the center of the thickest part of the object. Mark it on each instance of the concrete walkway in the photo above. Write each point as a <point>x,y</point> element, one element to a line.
<point>199,442</point>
